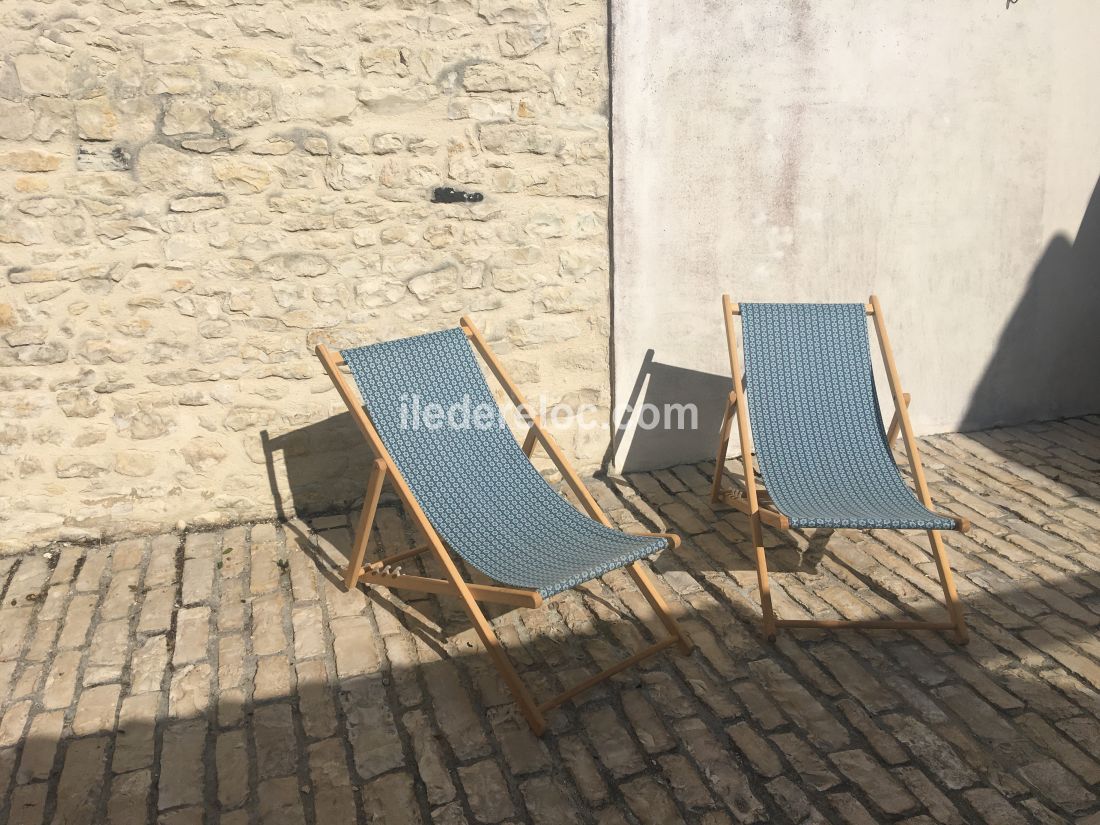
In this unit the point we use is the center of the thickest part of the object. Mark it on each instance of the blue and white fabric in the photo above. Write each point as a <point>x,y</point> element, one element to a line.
<point>816,425</point>
<point>479,491</point>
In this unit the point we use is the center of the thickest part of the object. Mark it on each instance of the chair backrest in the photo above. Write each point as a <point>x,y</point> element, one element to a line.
<point>429,401</point>
<point>815,418</point>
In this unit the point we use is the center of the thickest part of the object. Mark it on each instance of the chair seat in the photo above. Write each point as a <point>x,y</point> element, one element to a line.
<point>478,490</point>
<point>816,425</point>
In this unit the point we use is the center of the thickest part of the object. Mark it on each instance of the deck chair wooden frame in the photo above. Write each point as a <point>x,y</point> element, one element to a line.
<point>758,506</point>
<point>387,573</point>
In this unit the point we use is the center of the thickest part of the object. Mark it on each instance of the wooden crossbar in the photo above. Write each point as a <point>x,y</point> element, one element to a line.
<point>618,667</point>
<point>380,572</point>
<point>752,505</point>
<point>735,309</point>
<point>865,624</point>
<point>517,597</point>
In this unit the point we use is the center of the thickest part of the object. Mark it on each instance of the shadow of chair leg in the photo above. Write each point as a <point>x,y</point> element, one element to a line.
<point>816,551</point>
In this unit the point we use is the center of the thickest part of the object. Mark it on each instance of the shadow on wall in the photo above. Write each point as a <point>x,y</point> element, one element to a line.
<point>326,467</point>
<point>1047,361</point>
<point>678,421</point>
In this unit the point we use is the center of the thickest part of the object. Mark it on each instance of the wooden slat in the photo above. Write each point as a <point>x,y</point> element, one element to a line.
<point>389,561</point>
<point>735,309</point>
<point>481,592</point>
<point>865,624</point>
<point>772,518</point>
<point>618,667</point>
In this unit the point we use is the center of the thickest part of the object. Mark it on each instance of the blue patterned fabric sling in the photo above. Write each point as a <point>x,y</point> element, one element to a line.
<point>815,420</point>
<point>479,491</point>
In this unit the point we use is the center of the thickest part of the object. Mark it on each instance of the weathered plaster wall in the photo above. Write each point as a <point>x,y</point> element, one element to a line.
<point>193,194</point>
<point>941,154</point>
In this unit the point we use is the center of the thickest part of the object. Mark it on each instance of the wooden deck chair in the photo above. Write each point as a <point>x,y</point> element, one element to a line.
<point>473,491</point>
<point>825,461</point>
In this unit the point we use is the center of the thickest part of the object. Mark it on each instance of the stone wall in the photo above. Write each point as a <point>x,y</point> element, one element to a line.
<point>196,193</point>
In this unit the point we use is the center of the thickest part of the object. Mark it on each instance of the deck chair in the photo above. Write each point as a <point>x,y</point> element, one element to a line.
<point>808,392</point>
<point>473,491</point>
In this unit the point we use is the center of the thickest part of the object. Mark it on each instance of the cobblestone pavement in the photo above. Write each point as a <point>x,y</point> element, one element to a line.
<point>226,677</point>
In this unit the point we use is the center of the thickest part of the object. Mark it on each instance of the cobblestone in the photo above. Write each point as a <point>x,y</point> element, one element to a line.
<point>139,678</point>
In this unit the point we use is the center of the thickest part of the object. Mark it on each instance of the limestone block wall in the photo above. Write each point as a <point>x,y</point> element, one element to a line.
<point>193,194</point>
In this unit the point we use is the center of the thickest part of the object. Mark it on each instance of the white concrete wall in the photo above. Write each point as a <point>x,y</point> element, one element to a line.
<point>941,154</point>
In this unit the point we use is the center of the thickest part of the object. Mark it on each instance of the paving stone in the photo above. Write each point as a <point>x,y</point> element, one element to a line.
<point>13,723</point>
<point>281,802</point>
<point>276,751</point>
<point>61,682</point>
<point>792,801</point>
<point>96,562</point>
<point>129,798</point>
<point>728,782</point>
<point>486,792</point>
<point>455,715</point>
<point>932,798</point>
<point>272,679</point>
<point>136,725</point>
<point>430,760</point>
<point>391,798</point>
<point>375,742</point>
<point>189,695</point>
<point>685,783</point>
<point>96,710</point>
<point>81,784</point>
<point>182,748</point>
<point>650,801</point>
<point>993,808</point>
<point>809,766</point>
<point>42,739</point>
<point>315,699</point>
<point>309,640</point>
<point>932,751</point>
<point>756,749</point>
<point>28,804</point>
<point>78,621</point>
<point>107,652</point>
<point>547,803</point>
<point>876,782</point>
<point>231,755</point>
<point>156,610</point>
<point>192,635</point>
<point>647,725</point>
<point>149,662</point>
<point>334,797</point>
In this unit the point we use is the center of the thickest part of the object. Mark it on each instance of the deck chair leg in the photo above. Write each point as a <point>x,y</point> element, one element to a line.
<point>527,705</point>
<point>762,580</point>
<point>723,446</point>
<point>660,607</point>
<point>947,581</point>
<point>366,521</point>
